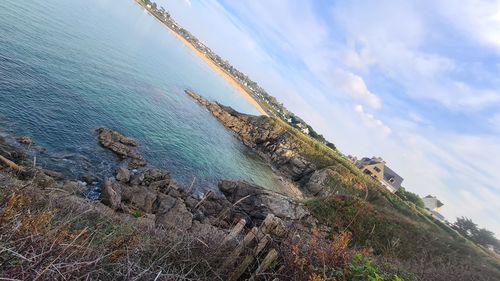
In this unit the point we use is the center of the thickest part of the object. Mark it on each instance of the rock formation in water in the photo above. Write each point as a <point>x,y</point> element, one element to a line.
<point>270,141</point>
<point>124,147</point>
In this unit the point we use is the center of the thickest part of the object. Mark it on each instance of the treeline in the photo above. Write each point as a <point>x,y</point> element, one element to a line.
<point>471,231</point>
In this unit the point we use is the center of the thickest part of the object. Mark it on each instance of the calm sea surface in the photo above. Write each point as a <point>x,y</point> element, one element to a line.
<point>69,67</point>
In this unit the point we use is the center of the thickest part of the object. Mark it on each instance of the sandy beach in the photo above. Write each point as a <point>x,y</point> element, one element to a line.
<point>235,84</point>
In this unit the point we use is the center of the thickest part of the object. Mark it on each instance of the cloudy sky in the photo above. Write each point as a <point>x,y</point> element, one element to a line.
<point>416,82</point>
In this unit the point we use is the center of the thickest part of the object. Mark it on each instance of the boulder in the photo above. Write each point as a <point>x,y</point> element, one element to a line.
<point>178,217</point>
<point>73,187</point>
<point>89,179</point>
<point>122,146</point>
<point>122,174</point>
<point>25,140</point>
<point>53,174</point>
<point>109,195</point>
<point>140,197</point>
<point>316,186</point>
<point>255,202</point>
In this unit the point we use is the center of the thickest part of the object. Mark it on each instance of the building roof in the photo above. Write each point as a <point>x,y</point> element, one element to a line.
<point>390,174</point>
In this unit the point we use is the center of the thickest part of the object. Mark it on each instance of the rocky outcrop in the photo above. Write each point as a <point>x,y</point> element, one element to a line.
<point>25,140</point>
<point>152,191</point>
<point>123,147</point>
<point>264,136</point>
<point>254,203</point>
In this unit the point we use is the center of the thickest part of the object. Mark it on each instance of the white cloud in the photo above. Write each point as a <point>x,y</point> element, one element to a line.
<point>370,121</point>
<point>306,63</point>
<point>353,85</point>
<point>398,46</point>
<point>478,19</point>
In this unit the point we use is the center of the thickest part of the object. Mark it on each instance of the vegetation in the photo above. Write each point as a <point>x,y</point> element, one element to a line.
<point>414,246</point>
<point>481,236</point>
<point>410,197</point>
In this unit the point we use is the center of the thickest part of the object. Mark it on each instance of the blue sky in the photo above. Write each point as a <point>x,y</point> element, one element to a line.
<point>416,82</point>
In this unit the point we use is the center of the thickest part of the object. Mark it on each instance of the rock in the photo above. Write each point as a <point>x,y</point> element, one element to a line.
<point>110,196</point>
<point>73,187</point>
<point>25,140</point>
<point>122,146</point>
<point>139,196</point>
<point>161,185</point>
<point>316,186</point>
<point>164,203</point>
<point>137,179</point>
<point>176,218</point>
<point>89,179</point>
<point>256,203</point>
<point>154,175</point>
<point>122,174</point>
<point>265,137</point>
<point>53,174</point>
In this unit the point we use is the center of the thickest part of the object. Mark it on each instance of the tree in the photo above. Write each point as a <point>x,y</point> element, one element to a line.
<point>486,238</point>
<point>469,229</point>
<point>466,227</point>
<point>331,145</point>
<point>410,197</point>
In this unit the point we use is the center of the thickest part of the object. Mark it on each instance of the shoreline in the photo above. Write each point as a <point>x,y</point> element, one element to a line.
<point>228,78</point>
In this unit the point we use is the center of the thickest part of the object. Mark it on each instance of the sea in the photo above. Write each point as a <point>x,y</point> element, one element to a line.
<point>70,67</point>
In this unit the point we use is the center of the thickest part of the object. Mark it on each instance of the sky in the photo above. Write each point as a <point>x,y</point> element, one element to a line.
<point>415,82</point>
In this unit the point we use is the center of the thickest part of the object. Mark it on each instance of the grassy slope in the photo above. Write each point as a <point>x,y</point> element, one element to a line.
<point>390,227</point>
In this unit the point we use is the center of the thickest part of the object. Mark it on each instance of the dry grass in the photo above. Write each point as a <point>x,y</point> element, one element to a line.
<point>50,237</point>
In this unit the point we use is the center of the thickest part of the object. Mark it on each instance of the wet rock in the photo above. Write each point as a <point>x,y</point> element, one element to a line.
<point>53,174</point>
<point>122,146</point>
<point>154,175</point>
<point>25,140</point>
<point>269,140</point>
<point>89,179</point>
<point>122,174</point>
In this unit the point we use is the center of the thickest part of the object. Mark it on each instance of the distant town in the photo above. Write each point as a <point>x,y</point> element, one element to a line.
<point>268,102</point>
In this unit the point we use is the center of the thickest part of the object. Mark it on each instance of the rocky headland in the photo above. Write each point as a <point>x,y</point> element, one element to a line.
<point>273,143</point>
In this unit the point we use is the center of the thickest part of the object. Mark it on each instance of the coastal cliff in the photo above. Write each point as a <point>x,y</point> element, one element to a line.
<point>303,161</point>
<point>266,138</point>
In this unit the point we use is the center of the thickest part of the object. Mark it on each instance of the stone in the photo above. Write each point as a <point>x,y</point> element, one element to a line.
<point>153,175</point>
<point>255,203</point>
<point>25,140</point>
<point>164,203</point>
<point>73,187</point>
<point>110,196</point>
<point>316,184</point>
<point>122,146</point>
<point>137,179</point>
<point>140,197</point>
<point>89,179</point>
<point>122,174</point>
<point>176,218</point>
<point>53,174</point>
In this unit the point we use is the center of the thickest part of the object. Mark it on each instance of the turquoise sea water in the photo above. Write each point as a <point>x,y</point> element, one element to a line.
<point>68,67</point>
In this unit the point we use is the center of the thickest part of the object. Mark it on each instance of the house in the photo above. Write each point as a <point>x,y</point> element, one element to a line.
<point>432,203</point>
<point>432,206</point>
<point>377,169</point>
